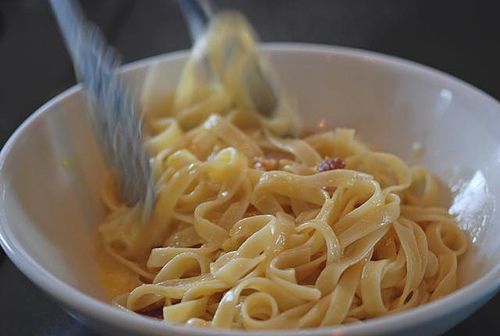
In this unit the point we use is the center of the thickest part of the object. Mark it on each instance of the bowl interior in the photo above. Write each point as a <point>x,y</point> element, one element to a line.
<point>52,170</point>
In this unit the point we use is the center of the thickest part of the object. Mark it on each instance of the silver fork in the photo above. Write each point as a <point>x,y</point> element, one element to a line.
<point>198,14</point>
<point>115,113</point>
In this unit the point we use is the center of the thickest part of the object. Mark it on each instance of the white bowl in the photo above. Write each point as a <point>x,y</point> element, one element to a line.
<point>51,171</point>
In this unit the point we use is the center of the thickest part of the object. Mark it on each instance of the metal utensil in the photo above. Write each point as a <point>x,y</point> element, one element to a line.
<point>198,14</point>
<point>114,111</point>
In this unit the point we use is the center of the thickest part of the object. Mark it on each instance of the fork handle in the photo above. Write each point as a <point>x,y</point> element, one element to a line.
<point>197,14</point>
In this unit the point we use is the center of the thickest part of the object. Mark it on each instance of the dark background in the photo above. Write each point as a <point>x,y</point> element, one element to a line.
<point>458,37</point>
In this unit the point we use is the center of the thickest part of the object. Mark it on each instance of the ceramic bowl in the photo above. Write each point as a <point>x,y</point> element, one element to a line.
<point>51,172</point>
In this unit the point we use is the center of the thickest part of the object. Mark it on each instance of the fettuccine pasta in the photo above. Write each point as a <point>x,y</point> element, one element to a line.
<point>254,229</point>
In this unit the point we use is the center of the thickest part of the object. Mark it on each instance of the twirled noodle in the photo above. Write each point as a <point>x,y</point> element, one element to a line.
<point>250,230</point>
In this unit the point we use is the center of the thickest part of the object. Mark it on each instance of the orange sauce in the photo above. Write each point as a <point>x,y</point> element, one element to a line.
<point>115,278</point>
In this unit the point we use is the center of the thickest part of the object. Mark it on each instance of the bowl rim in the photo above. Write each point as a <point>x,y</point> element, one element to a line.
<point>104,313</point>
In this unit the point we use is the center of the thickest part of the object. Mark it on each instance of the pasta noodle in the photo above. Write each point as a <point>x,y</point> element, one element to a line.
<point>256,230</point>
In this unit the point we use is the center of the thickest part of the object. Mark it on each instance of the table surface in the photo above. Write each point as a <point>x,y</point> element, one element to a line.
<point>458,37</point>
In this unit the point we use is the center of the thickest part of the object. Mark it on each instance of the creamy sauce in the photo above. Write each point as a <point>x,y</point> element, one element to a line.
<point>115,278</point>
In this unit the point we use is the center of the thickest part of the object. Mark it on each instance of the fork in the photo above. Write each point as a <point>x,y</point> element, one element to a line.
<point>198,14</point>
<point>114,111</point>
